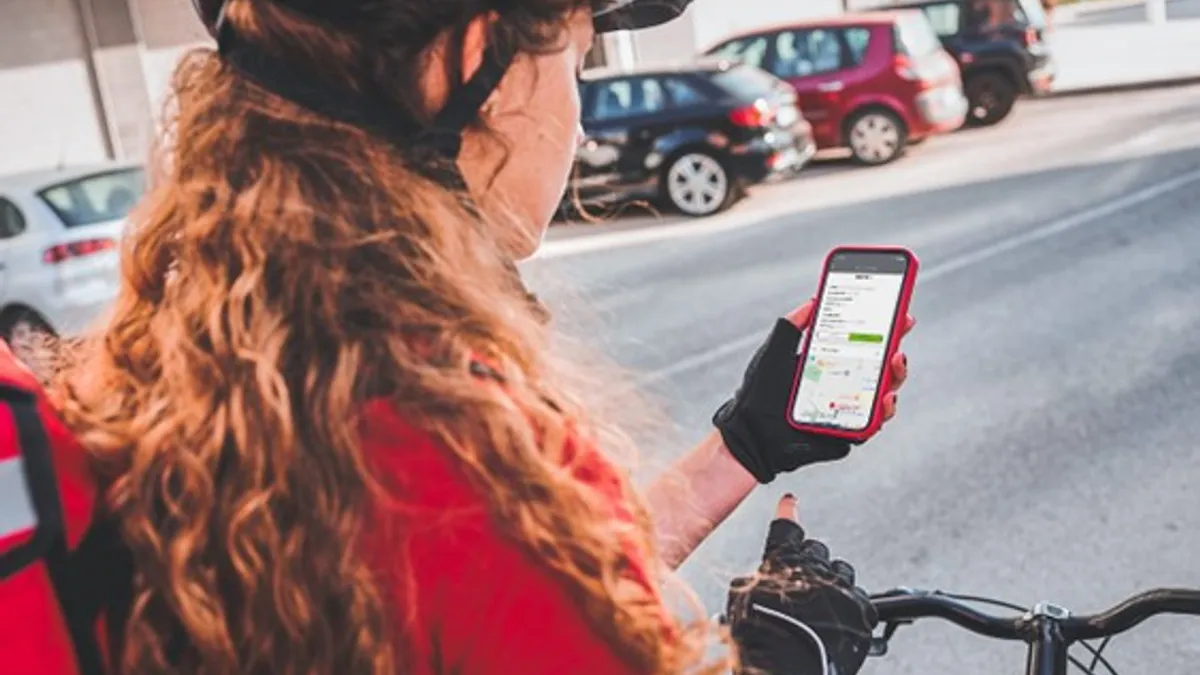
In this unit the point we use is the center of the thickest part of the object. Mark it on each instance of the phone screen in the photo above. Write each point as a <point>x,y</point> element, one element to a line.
<point>844,363</point>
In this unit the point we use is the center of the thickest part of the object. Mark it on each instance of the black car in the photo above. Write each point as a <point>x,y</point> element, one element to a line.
<point>1000,48</point>
<point>692,136</point>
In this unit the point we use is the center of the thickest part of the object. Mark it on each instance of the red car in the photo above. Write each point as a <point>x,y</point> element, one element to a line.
<point>873,82</point>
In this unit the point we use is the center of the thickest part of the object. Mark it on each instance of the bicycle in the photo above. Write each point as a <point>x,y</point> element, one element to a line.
<point>1048,629</point>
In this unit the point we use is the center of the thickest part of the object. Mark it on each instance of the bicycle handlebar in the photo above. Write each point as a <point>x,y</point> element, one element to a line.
<point>907,605</point>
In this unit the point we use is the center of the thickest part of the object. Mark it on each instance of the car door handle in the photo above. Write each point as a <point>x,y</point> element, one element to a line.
<point>831,86</point>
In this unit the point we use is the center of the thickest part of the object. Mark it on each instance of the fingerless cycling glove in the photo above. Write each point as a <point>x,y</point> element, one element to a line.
<point>801,614</point>
<point>754,423</point>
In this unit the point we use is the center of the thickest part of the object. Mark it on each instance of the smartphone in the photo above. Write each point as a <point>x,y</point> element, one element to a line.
<point>857,324</point>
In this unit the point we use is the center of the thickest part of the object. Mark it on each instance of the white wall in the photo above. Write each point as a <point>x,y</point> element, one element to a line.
<point>715,19</point>
<point>708,21</point>
<point>48,117</point>
<point>169,28</point>
<point>47,112</point>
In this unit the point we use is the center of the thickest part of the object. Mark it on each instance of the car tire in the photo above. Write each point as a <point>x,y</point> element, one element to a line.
<point>876,136</point>
<point>697,183</point>
<point>990,99</point>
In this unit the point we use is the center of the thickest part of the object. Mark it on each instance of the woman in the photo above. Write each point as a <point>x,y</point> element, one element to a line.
<point>325,410</point>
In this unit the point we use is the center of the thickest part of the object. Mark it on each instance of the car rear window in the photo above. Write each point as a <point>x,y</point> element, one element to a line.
<point>915,36</point>
<point>749,50</point>
<point>98,198</point>
<point>985,14</point>
<point>745,82</point>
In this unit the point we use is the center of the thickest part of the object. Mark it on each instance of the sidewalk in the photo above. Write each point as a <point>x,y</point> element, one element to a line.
<point>1066,14</point>
<point>1097,57</point>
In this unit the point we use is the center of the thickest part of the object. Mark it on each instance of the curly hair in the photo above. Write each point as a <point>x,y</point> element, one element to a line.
<point>282,271</point>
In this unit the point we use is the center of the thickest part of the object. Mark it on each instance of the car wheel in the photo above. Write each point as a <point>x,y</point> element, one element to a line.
<point>990,98</point>
<point>697,184</point>
<point>876,137</point>
<point>27,334</point>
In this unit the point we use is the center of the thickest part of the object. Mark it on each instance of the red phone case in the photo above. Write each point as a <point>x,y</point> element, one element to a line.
<point>885,383</point>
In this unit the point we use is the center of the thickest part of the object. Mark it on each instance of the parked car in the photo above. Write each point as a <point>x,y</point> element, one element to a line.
<point>873,82</point>
<point>58,246</point>
<point>1000,47</point>
<point>692,135</point>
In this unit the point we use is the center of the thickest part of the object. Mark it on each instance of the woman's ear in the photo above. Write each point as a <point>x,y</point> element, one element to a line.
<point>475,42</point>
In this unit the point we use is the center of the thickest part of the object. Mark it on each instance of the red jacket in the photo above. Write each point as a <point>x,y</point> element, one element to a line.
<point>482,605</point>
<point>467,600</point>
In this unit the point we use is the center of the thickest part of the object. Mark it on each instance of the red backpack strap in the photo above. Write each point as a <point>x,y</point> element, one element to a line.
<point>25,484</point>
<point>49,541</point>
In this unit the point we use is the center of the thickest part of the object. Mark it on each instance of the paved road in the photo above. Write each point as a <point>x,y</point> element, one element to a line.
<point>1049,444</point>
<point>1176,9</point>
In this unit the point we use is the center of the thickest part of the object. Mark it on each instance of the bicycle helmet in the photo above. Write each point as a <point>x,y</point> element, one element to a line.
<point>370,113</point>
<point>610,15</point>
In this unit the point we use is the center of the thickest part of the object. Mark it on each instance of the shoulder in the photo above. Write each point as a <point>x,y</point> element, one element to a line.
<point>410,464</point>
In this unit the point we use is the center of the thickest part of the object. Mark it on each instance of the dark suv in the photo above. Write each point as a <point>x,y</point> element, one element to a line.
<point>691,135</point>
<point>1000,48</point>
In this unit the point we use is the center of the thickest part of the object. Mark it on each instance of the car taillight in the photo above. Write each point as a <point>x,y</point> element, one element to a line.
<point>905,68</point>
<point>758,114</point>
<point>77,249</point>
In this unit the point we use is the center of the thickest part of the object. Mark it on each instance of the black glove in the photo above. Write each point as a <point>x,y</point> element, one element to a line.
<point>801,614</point>
<point>754,423</point>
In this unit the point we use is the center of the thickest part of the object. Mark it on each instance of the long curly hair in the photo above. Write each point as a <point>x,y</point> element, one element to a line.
<point>282,271</point>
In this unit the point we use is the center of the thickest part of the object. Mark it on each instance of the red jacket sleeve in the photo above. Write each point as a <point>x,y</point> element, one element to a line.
<point>468,600</point>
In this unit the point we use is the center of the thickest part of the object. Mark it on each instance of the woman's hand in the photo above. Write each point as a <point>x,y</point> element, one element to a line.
<point>801,614</point>
<point>754,423</point>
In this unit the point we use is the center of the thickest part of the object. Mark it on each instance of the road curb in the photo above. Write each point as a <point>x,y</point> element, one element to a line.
<point>1165,83</point>
<point>1067,14</point>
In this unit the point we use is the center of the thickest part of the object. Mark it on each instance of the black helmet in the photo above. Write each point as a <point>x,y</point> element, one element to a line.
<point>444,136</point>
<point>611,15</point>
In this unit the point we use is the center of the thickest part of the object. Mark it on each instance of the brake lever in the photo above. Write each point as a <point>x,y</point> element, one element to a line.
<point>879,645</point>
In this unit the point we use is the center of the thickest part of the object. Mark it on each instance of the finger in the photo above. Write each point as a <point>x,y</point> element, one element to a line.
<point>802,315</point>
<point>787,508</point>
<point>899,370</point>
<point>812,548</point>
<point>784,537</point>
<point>889,406</point>
<point>785,532</point>
<point>909,324</point>
<point>843,571</point>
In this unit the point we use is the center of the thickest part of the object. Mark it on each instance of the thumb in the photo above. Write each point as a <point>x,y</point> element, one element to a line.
<point>802,315</point>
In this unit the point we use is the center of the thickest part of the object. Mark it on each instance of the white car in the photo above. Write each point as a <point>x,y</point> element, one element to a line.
<point>59,232</point>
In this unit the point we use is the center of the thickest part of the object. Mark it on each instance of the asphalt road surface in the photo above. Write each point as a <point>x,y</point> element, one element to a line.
<point>1048,444</point>
<point>1176,9</point>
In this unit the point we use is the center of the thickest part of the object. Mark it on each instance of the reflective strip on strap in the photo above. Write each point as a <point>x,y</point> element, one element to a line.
<point>16,504</point>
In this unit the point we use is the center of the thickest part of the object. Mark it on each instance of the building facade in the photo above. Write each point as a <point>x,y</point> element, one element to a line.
<point>82,80</point>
